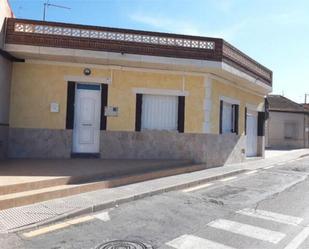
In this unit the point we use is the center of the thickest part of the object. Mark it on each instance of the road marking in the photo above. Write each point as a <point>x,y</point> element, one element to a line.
<point>282,163</point>
<point>266,215</point>
<point>193,242</point>
<point>251,172</point>
<point>104,216</point>
<point>79,220</point>
<point>228,179</point>
<point>248,230</point>
<point>269,167</point>
<point>46,230</point>
<point>197,187</point>
<point>299,239</point>
<point>58,226</point>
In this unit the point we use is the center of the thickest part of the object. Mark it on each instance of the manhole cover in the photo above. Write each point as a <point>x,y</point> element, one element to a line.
<point>122,244</point>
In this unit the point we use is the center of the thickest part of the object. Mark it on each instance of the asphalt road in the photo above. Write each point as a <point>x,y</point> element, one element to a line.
<point>264,209</point>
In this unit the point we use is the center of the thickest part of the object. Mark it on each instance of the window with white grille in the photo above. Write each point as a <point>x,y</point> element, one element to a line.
<point>159,112</point>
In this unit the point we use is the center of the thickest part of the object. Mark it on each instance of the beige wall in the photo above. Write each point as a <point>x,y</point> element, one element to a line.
<point>227,90</point>
<point>35,86</point>
<point>275,131</point>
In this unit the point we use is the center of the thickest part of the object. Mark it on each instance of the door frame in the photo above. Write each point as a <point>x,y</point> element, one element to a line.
<point>72,81</point>
<point>97,119</point>
<point>254,113</point>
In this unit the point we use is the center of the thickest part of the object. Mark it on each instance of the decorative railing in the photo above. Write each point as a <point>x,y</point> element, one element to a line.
<point>38,33</point>
<point>114,36</point>
<point>239,57</point>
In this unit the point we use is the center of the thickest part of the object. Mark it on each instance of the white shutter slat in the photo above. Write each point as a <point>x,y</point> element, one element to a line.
<point>159,112</point>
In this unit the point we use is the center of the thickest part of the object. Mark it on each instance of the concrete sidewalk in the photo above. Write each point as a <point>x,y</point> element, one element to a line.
<point>270,153</point>
<point>25,217</point>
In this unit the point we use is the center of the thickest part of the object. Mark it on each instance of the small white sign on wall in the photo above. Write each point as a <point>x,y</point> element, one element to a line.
<point>111,111</point>
<point>54,107</point>
<point>307,129</point>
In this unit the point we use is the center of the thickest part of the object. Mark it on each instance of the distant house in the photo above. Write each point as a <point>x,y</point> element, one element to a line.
<point>288,124</point>
<point>306,106</point>
<point>80,90</point>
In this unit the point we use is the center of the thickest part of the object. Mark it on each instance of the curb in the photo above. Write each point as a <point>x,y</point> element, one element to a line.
<point>111,204</point>
<point>305,155</point>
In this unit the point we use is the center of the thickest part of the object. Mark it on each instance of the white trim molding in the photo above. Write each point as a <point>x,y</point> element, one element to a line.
<point>88,79</point>
<point>235,84</point>
<point>230,100</point>
<point>150,70</point>
<point>207,107</point>
<point>228,68</point>
<point>254,107</point>
<point>108,57</point>
<point>160,91</point>
<point>192,65</point>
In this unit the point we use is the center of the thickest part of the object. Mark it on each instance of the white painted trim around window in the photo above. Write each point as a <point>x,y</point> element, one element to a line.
<point>160,91</point>
<point>88,79</point>
<point>230,100</point>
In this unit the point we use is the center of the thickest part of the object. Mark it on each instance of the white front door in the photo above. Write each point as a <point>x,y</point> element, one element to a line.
<point>86,132</point>
<point>251,138</point>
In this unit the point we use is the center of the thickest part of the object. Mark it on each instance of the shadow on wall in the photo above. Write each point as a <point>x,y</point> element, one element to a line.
<point>3,141</point>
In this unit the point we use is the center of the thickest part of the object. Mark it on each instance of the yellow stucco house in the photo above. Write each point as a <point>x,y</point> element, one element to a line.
<point>79,90</point>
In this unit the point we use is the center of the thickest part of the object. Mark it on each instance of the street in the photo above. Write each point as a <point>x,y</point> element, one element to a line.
<point>267,208</point>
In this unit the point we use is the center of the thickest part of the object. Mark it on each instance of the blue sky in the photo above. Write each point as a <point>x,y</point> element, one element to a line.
<point>274,32</point>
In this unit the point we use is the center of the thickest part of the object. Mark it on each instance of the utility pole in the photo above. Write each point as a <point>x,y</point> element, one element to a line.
<point>47,4</point>
<point>306,95</point>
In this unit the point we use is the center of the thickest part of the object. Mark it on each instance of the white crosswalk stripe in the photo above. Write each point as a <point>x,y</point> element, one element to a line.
<point>104,216</point>
<point>299,239</point>
<point>248,230</point>
<point>197,187</point>
<point>282,163</point>
<point>193,242</point>
<point>251,172</point>
<point>228,179</point>
<point>266,215</point>
<point>269,167</point>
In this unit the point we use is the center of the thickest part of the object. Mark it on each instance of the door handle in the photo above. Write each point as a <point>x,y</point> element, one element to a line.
<point>86,124</point>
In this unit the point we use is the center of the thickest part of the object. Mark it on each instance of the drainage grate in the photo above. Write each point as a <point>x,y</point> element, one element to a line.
<point>121,244</point>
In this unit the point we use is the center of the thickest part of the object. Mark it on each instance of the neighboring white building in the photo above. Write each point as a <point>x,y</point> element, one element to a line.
<point>288,124</point>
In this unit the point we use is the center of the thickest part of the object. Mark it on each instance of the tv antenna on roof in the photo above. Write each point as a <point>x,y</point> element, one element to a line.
<point>48,4</point>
